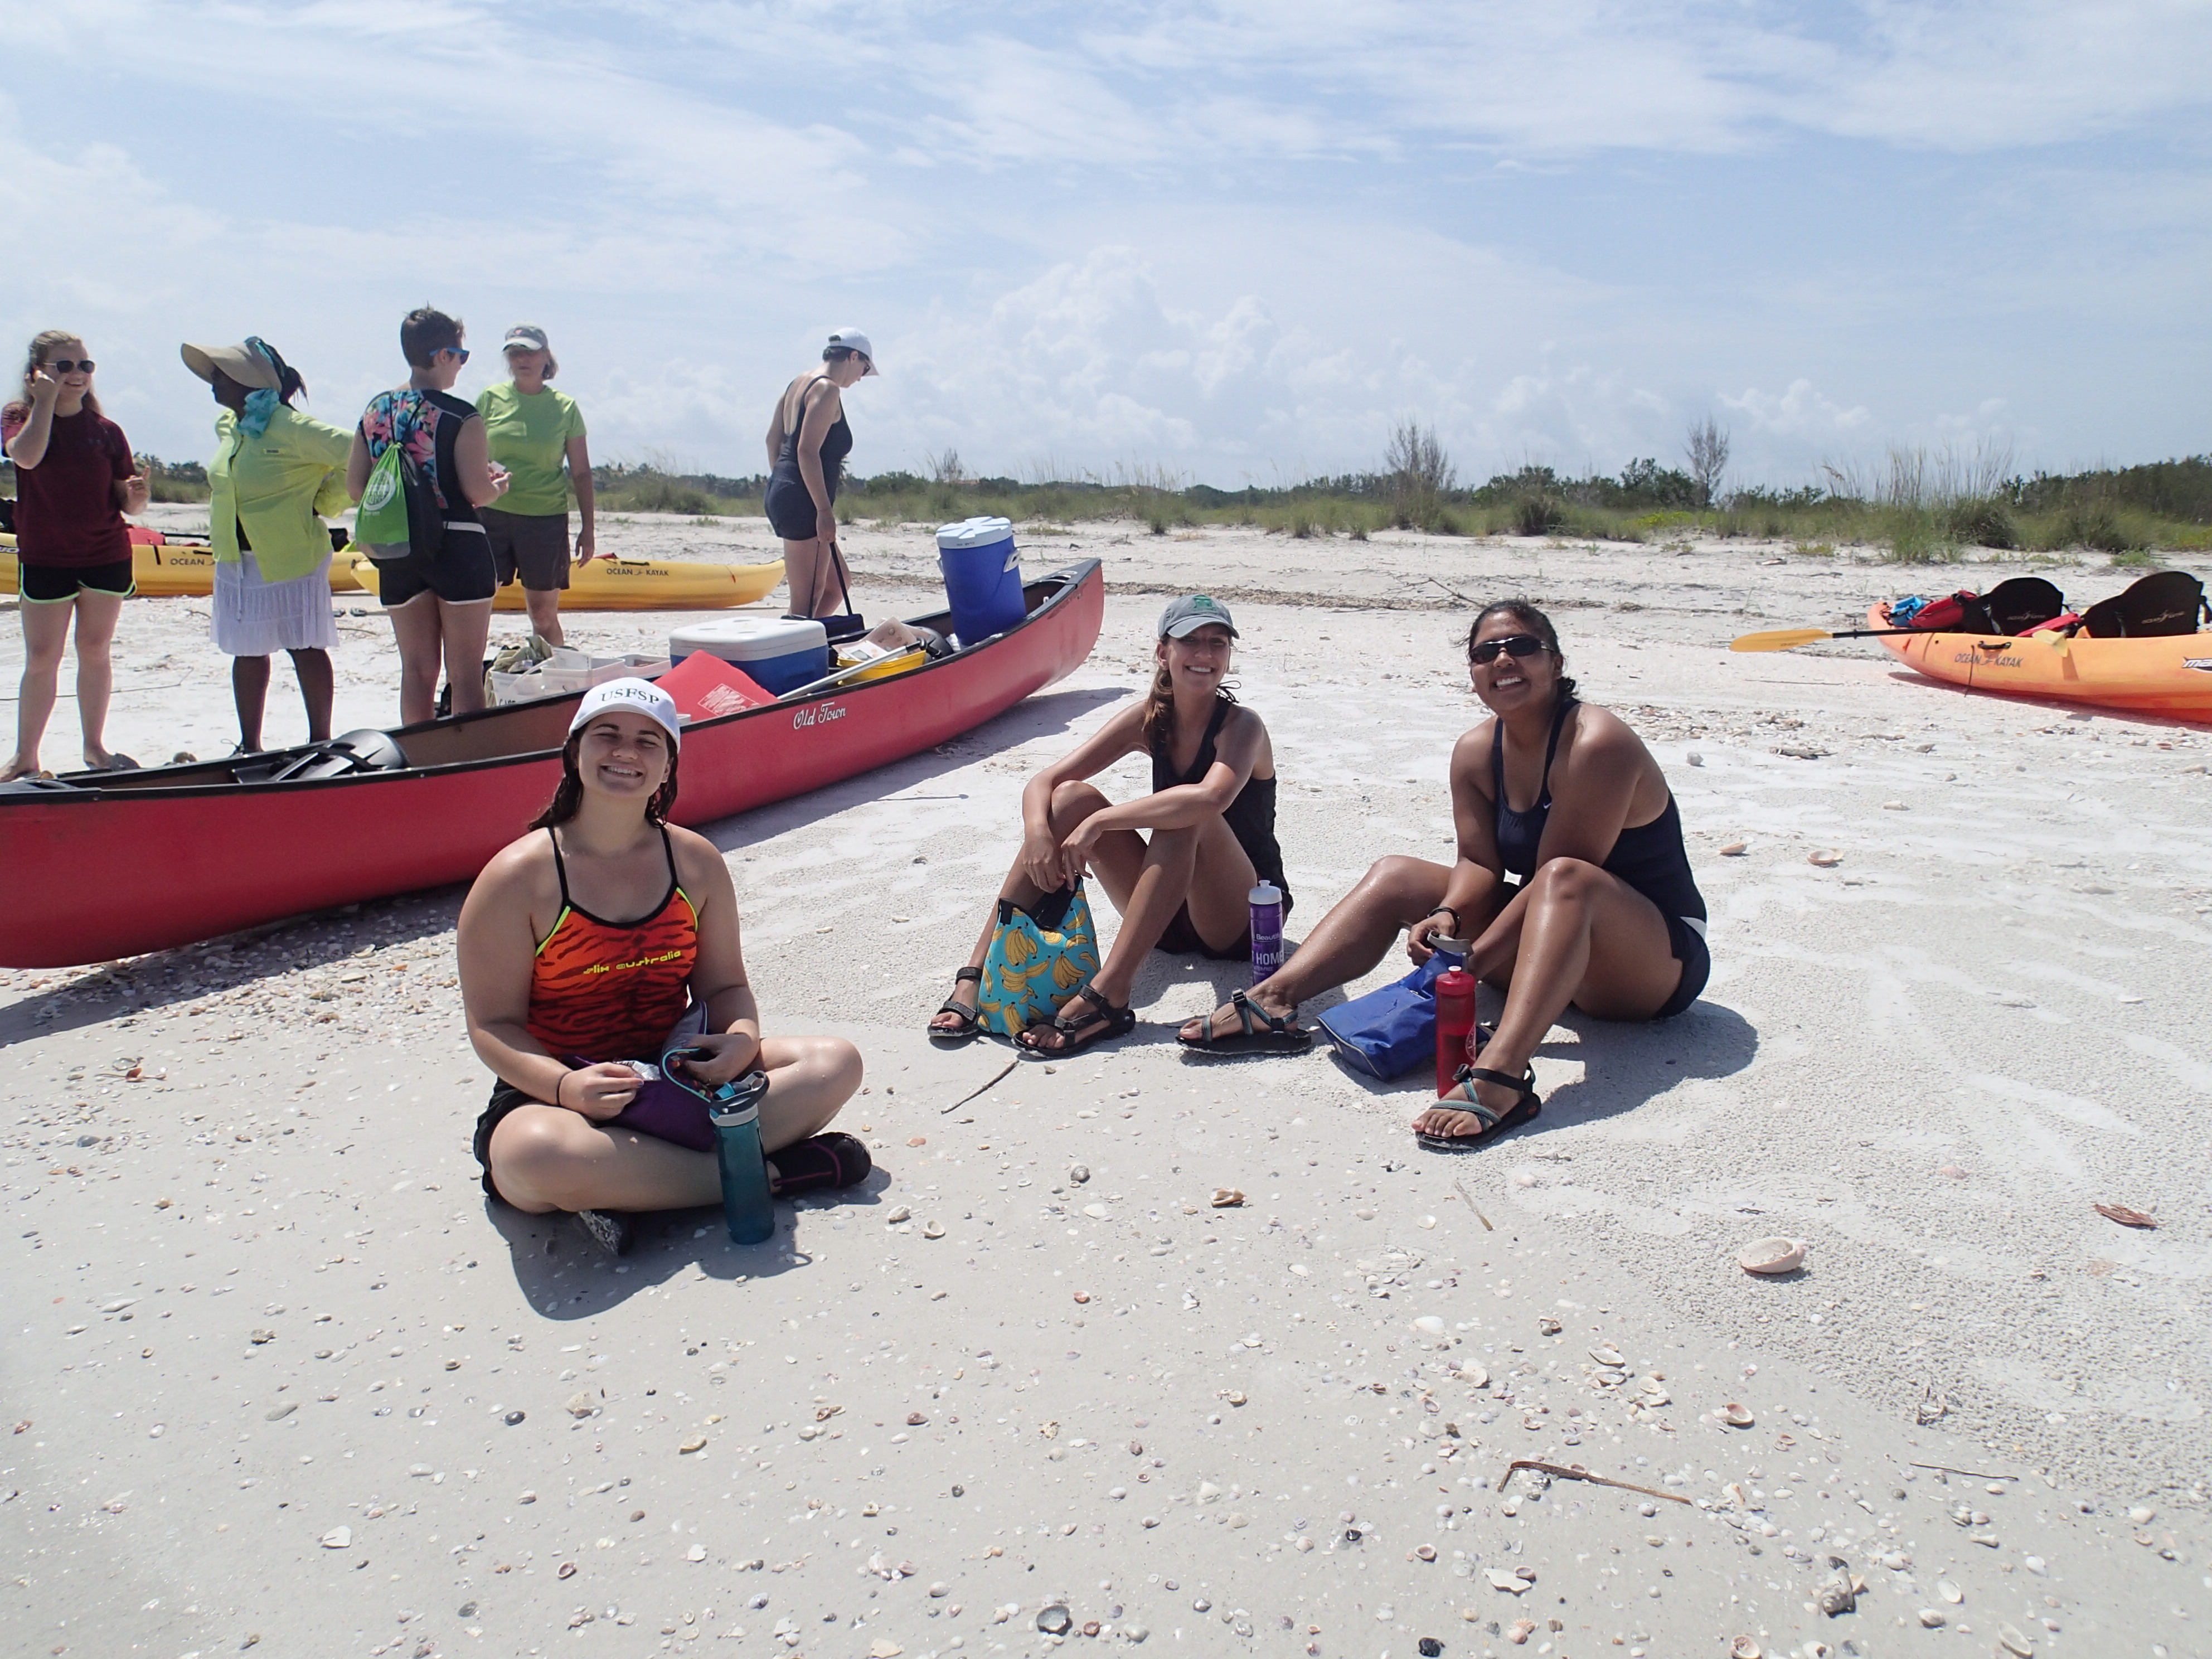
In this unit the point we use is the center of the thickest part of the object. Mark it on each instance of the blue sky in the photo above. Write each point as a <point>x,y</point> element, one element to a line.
<point>1236,241</point>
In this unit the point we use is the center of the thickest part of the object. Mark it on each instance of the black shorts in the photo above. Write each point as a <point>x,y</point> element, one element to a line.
<point>1688,946</point>
<point>50,584</point>
<point>1183,939</point>
<point>505,1098</point>
<point>790,507</point>
<point>534,545</point>
<point>460,573</point>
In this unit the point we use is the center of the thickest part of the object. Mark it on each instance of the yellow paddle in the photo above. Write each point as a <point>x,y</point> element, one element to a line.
<point>1781,639</point>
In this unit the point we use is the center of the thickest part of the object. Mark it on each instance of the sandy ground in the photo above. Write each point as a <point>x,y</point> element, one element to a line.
<point>279,1376</point>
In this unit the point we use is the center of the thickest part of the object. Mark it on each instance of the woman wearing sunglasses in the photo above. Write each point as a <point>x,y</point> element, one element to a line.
<point>440,601</point>
<point>1563,798</point>
<point>74,479</point>
<point>808,443</point>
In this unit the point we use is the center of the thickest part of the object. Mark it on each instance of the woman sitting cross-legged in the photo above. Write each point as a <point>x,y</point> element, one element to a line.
<point>561,1000</point>
<point>1183,887</point>
<point>1607,915</point>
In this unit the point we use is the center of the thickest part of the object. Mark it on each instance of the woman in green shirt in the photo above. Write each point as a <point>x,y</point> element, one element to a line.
<point>276,472</point>
<point>533,429</point>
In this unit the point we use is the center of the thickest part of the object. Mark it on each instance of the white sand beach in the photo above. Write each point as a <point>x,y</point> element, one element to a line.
<point>280,1377</point>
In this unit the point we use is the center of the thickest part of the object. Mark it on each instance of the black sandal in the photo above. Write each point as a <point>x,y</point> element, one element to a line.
<point>971,1020</point>
<point>1462,1098</point>
<point>1263,1032</point>
<point>1108,1023</point>
<point>831,1160</point>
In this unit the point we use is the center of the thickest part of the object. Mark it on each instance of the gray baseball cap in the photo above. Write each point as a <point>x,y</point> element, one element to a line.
<point>1187,616</point>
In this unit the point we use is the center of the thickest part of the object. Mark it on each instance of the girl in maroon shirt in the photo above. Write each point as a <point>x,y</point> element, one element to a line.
<point>74,479</point>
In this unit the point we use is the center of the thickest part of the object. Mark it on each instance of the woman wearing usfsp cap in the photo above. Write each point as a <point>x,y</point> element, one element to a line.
<point>276,472</point>
<point>1184,888</point>
<point>807,442</point>
<point>560,999</point>
<point>533,429</point>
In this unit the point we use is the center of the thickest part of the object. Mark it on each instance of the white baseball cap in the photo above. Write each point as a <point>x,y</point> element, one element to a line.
<point>853,340</point>
<point>634,696</point>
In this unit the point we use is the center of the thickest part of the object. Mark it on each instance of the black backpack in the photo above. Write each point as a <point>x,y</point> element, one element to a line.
<point>2167,602</point>
<point>2012,607</point>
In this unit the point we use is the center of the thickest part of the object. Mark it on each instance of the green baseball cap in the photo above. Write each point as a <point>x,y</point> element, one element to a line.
<point>1187,616</point>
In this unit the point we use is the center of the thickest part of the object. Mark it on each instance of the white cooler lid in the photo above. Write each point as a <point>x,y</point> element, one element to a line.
<point>748,639</point>
<point>974,533</point>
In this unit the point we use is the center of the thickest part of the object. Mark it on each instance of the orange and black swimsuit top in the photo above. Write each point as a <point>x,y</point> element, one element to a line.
<point>613,990</point>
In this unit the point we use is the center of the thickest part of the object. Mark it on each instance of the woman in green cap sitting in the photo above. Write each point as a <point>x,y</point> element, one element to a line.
<point>1182,886</point>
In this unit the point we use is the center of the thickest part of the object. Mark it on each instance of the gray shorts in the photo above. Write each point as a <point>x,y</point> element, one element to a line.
<point>534,543</point>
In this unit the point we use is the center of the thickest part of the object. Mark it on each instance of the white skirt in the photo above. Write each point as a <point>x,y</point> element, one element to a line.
<point>257,618</point>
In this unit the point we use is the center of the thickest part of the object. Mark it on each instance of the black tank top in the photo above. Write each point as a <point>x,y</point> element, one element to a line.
<point>1250,816</point>
<point>837,445</point>
<point>1650,857</point>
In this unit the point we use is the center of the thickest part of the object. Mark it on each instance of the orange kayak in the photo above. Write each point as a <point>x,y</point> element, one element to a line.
<point>2169,675</point>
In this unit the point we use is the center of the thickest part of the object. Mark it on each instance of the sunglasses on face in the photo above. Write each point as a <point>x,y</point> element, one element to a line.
<point>457,351</point>
<point>64,366</point>
<point>1516,646</point>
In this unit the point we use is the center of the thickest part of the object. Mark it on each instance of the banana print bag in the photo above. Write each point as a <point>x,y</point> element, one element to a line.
<point>1030,970</point>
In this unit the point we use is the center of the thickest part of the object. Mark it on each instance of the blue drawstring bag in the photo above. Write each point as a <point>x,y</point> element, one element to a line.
<point>1387,1033</point>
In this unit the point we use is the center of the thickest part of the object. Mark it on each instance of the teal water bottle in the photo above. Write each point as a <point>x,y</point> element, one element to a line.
<point>733,1108</point>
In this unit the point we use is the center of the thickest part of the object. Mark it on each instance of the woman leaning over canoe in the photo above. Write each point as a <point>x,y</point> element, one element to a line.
<point>1607,915</point>
<point>1186,887</point>
<point>560,998</point>
<point>74,479</point>
<point>275,472</point>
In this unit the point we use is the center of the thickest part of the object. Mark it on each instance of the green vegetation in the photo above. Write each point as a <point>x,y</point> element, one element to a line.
<point>1918,506</point>
<point>174,481</point>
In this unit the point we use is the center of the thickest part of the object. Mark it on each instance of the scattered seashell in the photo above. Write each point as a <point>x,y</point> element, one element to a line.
<point>916,1419</point>
<point>1895,806</point>
<point>1771,1255</point>
<point>1078,1173</point>
<point>1425,1552</point>
<point>1736,1416</point>
<point>1608,1355</point>
<point>1519,1631</point>
<point>1694,758</point>
<point>1828,858</point>
<point>884,1648</point>
<point>2013,1643</point>
<point>1952,1172</point>
<point>582,1404</point>
<point>696,1552</point>
<point>1743,1647</point>
<point>1949,1592</point>
<point>2125,1217</point>
<point>899,1213</point>
<point>917,1140</point>
<point>337,1538</point>
<point>567,1570</point>
<point>695,1443</point>
<point>1083,1296</point>
<point>1236,1396</point>
<point>1226,1198</point>
<point>278,1413</point>
<point>1548,1326</point>
<point>1474,1374</point>
<point>1836,1597</point>
<point>932,1230</point>
<point>1653,1393</point>
<point>1736,849</point>
<point>1932,1620</point>
<point>1429,1324</point>
<point>1055,1620</point>
<point>261,1337</point>
<point>1506,1582</point>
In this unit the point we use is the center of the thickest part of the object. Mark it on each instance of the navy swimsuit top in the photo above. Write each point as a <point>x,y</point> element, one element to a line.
<point>1650,857</point>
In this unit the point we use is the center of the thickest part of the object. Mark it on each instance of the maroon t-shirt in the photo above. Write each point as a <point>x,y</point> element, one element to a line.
<point>65,512</point>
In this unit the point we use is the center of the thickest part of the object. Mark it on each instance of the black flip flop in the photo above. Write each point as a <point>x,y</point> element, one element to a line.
<point>1108,1023</point>
<point>1494,1124</point>
<point>832,1160</point>
<point>971,1020</point>
<point>1263,1033</point>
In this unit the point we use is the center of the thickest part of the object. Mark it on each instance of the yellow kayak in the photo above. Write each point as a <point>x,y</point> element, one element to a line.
<point>173,571</point>
<point>636,585</point>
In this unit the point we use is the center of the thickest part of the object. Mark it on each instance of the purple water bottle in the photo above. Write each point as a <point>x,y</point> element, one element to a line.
<point>1267,912</point>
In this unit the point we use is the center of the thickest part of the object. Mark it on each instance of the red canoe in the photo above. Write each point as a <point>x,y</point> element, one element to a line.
<point>102,867</point>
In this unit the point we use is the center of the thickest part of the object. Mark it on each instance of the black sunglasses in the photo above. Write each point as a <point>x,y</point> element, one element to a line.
<point>64,366</point>
<point>1517,645</point>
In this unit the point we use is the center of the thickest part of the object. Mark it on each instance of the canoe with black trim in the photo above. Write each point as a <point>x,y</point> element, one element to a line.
<point>108,864</point>
<point>2168,674</point>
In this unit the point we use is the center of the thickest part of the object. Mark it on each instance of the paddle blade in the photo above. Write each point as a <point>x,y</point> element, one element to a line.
<point>1779,639</point>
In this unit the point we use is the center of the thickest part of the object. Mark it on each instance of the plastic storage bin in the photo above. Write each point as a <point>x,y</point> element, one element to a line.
<point>776,653</point>
<point>982,577</point>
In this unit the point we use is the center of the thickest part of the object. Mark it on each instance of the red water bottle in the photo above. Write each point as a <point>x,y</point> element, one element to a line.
<point>1454,994</point>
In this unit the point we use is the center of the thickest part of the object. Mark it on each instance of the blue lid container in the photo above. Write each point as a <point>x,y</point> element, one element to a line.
<point>778,653</point>
<point>982,577</point>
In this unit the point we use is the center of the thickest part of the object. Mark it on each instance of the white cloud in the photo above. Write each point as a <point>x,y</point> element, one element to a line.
<point>1799,411</point>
